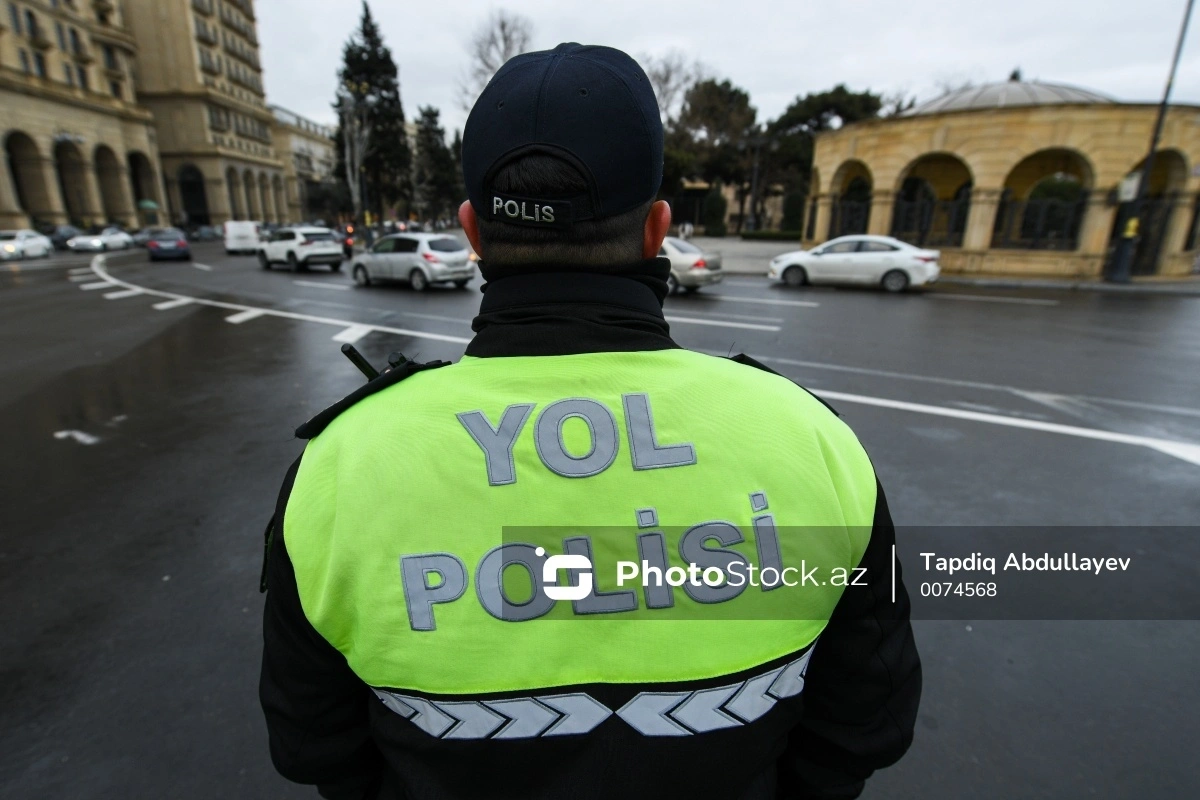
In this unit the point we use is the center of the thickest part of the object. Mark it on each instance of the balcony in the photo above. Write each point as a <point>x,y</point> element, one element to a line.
<point>205,7</point>
<point>206,34</point>
<point>39,39</point>
<point>83,54</point>
<point>103,6</point>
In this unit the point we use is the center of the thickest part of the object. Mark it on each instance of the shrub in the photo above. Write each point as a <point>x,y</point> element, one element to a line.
<point>714,212</point>
<point>793,212</point>
<point>773,236</point>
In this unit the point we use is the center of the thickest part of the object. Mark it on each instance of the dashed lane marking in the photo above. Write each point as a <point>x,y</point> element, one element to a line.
<point>121,295</point>
<point>202,267</point>
<point>246,312</point>
<point>353,334</point>
<point>765,301</point>
<point>169,304</point>
<point>244,316</point>
<point>80,271</point>
<point>91,287</point>
<point>341,287</point>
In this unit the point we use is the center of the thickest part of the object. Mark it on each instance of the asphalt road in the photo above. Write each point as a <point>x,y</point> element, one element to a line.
<point>148,412</point>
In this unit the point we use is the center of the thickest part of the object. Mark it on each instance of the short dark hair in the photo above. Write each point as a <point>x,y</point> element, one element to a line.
<point>603,242</point>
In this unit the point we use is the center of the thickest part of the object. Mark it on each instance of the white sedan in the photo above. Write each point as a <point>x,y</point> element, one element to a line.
<point>24,244</point>
<point>864,260</point>
<point>107,239</point>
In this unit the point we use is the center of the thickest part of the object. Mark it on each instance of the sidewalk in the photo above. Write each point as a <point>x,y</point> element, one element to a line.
<point>1183,285</point>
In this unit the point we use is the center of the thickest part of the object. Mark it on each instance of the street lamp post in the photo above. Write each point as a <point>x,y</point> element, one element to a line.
<point>1126,246</point>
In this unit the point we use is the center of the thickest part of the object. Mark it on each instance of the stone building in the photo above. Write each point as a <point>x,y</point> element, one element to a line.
<point>1015,177</point>
<point>306,150</point>
<point>199,74</point>
<point>78,149</point>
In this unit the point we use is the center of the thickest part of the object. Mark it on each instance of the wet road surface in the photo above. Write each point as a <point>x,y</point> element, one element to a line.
<point>148,414</point>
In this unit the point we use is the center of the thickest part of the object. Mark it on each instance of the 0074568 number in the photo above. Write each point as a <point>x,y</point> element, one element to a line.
<point>949,589</point>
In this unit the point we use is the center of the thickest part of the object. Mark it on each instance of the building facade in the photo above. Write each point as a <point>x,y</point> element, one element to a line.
<point>1015,178</point>
<point>78,148</point>
<point>306,150</point>
<point>200,76</point>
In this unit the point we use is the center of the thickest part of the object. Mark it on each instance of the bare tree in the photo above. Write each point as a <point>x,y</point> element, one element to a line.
<point>672,75</point>
<point>354,111</point>
<point>897,103</point>
<point>501,36</point>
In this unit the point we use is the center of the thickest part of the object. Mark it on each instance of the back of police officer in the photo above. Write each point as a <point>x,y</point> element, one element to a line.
<point>413,648</point>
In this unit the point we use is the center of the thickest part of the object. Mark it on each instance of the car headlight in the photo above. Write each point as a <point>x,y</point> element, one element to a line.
<point>97,242</point>
<point>8,248</point>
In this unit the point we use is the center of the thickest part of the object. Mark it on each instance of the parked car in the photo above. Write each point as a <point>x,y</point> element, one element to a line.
<point>111,238</point>
<point>61,234</point>
<point>24,243</point>
<point>204,233</point>
<point>691,267</point>
<point>418,259</point>
<point>300,248</point>
<point>168,243</point>
<point>242,236</point>
<point>145,235</point>
<point>863,260</point>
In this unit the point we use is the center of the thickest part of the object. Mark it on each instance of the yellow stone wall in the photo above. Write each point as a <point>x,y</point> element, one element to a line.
<point>1097,143</point>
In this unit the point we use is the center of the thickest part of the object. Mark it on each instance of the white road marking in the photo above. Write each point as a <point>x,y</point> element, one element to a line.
<point>169,304</point>
<point>121,295</point>
<point>1185,451</point>
<point>79,436</point>
<point>994,387</point>
<point>763,301</point>
<point>722,324</point>
<point>979,298</point>
<point>244,316</point>
<point>91,287</point>
<point>81,278</point>
<point>723,315</point>
<point>98,267</point>
<point>314,285</point>
<point>80,271</point>
<point>200,266</point>
<point>353,334</point>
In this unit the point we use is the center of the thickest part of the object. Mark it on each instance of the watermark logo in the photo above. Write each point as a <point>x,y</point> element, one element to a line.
<point>550,576</point>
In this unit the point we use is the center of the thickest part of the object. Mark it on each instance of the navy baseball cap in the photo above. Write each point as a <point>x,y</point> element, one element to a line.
<point>593,107</point>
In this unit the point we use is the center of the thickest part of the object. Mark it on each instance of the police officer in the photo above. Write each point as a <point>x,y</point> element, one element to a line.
<point>582,562</point>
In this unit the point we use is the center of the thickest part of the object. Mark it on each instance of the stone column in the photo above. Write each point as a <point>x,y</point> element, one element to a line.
<point>55,210</point>
<point>11,215</point>
<point>880,223</point>
<point>93,207</point>
<point>824,215</point>
<point>1095,231</point>
<point>217,196</point>
<point>1177,226</point>
<point>248,193</point>
<point>128,209</point>
<point>270,213</point>
<point>982,219</point>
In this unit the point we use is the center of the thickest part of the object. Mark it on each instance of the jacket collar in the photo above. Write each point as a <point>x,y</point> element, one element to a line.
<point>557,309</point>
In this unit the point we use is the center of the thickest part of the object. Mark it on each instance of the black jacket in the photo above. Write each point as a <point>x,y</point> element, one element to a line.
<point>855,714</point>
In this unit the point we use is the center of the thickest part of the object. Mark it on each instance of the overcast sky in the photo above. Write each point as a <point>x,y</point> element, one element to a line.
<point>774,50</point>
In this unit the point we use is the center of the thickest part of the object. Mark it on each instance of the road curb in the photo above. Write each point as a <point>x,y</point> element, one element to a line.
<point>1178,290</point>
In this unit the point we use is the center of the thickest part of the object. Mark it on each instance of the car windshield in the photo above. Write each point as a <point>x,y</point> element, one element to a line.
<point>683,247</point>
<point>167,233</point>
<point>7,236</point>
<point>110,231</point>
<point>446,244</point>
<point>317,236</point>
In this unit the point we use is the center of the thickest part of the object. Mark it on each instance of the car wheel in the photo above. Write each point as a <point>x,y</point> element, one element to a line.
<point>795,276</point>
<point>461,284</point>
<point>293,264</point>
<point>691,289</point>
<point>672,284</point>
<point>103,248</point>
<point>263,261</point>
<point>336,266</point>
<point>418,281</point>
<point>361,276</point>
<point>895,281</point>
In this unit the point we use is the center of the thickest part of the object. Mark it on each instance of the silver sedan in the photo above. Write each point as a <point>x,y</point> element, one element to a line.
<point>691,267</point>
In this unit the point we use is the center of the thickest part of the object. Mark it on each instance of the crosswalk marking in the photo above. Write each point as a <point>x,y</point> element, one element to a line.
<point>244,316</point>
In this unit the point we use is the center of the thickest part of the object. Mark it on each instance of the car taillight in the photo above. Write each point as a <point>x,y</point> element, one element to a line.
<point>350,241</point>
<point>305,242</point>
<point>182,243</point>
<point>151,243</point>
<point>927,259</point>
<point>700,264</point>
<point>431,258</point>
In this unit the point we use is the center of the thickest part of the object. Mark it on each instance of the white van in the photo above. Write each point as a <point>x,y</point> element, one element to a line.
<point>242,236</point>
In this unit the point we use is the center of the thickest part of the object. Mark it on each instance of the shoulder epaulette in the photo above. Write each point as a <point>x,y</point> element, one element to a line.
<point>393,376</point>
<point>742,358</point>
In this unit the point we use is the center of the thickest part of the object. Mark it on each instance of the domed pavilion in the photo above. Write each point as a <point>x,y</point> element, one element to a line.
<point>1019,178</point>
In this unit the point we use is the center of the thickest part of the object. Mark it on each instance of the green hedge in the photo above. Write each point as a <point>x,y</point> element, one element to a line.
<point>773,236</point>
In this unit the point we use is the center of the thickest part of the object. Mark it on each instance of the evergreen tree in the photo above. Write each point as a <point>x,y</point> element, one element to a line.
<point>370,75</point>
<point>436,172</point>
<point>460,186</point>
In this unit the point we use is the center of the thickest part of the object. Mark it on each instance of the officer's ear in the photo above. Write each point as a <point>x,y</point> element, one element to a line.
<point>470,226</point>
<point>658,222</point>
